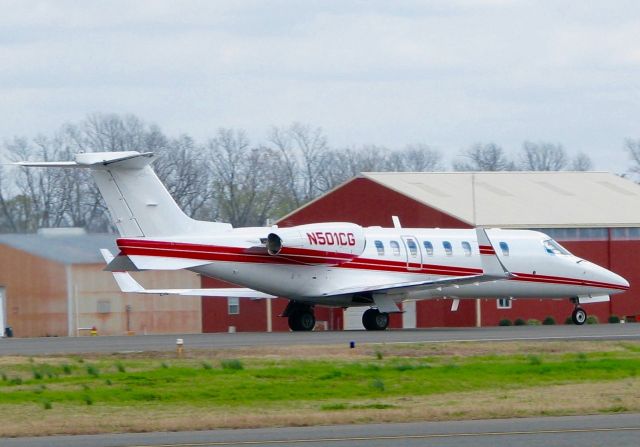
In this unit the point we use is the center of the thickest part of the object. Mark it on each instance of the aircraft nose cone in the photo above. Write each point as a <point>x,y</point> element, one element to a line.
<point>621,282</point>
<point>607,279</point>
<point>617,282</point>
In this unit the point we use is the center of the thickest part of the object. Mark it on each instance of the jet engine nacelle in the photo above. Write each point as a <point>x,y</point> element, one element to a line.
<point>323,243</point>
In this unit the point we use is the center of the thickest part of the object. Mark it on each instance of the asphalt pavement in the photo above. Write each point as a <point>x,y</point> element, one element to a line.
<point>149,343</point>
<point>620,430</point>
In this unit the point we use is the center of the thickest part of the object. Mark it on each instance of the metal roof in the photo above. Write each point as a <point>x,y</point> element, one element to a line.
<point>64,249</point>
<point>522,199</point>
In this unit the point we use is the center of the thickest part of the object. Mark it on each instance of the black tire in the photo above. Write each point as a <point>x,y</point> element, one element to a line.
<point>579,316</point>
<point>302,320</point>
<point>374,320</point>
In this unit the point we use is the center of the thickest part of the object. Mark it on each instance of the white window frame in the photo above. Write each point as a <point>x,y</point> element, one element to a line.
<point>504,303</point>
<point>233,305</point>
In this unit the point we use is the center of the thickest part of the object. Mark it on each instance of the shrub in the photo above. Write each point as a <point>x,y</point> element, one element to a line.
<point>533,322</point>
<point>93,370</point>
<point>232,364</point>
<point>614,319</point>
<point>66,368</point>
<point>568,320</point>
<point>333,407</point>
<point>379,354</point>
<point>505,322</point>
<point>592,319</point>
<point>549,321</point>
<point>519,322</point>
<point>120,367</point>
<point>377,384</point>
<point>88,400</point>
<point>37,374</point>
<point>46,404</point>
<point>206,365</point>
<point>534,360</point>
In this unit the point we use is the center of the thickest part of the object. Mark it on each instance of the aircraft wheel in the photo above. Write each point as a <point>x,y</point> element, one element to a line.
<point>302,320</point>
<point>374,320</point>
<point>578,316</point>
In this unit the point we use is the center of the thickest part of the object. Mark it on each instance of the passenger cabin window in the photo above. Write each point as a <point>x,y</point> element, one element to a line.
<point>413,248</point>
<point>395,248</point>
<point>448,249</point>
<point>428,247</point>
<point>466,246</point>
<point>379,247</point>
<point>505,248</point>
<point>553,248</point>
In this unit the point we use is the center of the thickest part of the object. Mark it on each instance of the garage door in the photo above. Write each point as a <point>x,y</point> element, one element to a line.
<point>353,318</point>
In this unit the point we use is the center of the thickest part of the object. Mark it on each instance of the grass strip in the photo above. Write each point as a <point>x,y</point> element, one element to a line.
<point>387,383</point>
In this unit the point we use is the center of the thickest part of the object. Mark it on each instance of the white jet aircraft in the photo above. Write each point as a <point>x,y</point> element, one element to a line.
<point>330,264</point>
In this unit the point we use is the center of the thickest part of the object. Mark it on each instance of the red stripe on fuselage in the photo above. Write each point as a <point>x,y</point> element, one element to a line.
<point>259,255</point>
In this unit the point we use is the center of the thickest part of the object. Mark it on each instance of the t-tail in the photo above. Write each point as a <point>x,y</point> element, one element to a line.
<point>139,203</point>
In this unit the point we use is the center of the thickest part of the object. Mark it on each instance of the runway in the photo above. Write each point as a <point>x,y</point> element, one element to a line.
<point>620,430</point>
<point>144,343</point>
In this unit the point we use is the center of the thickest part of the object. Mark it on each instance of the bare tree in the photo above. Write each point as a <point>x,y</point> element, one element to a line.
<point>488,157</point>
<point>633,148</point>
<point>543,157</point>
<point>182,166</point>
<point>246,179</point>
<point>7,221</point>
<point>302,150</point>
<point>581,162</point>
<point>415,158</point>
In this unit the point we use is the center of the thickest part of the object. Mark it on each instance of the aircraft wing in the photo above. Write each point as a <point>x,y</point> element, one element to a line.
<point>492,270</point>
<point>128,284</point>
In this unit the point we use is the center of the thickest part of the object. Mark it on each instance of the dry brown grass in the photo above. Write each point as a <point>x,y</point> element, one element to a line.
<point>336,352</point>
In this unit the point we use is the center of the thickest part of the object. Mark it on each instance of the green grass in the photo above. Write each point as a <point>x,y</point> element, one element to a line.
<point>258,383</point>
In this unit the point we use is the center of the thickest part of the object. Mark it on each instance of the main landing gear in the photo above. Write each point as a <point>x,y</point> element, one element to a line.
<point>374,320</point>
<point>301,316</point>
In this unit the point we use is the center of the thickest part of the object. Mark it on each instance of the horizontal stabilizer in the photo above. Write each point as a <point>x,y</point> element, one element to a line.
<point>97,160</point>
<point>128,284</point>
<point>121,263</point>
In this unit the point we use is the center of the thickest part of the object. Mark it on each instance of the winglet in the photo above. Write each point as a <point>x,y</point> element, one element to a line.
<point>125,280</point>
<point>491,264</point>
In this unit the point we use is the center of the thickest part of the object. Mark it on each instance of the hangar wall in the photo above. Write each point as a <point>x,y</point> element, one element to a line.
<point>35,293</point>
<point>101,304</point>
<point>47,294</point>
<point>368,203</point>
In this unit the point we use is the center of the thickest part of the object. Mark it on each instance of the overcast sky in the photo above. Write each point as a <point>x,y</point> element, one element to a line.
<point>445,73</point>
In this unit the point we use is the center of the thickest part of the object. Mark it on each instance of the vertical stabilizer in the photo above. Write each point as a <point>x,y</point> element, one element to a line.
<point>139,204</point>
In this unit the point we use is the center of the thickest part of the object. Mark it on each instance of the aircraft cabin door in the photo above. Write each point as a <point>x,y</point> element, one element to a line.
<point>413,252</point>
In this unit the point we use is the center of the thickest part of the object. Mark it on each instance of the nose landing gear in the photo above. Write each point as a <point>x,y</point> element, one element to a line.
<point>578,316</point>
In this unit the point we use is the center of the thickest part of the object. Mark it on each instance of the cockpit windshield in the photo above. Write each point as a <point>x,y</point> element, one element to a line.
<point>554,248</point>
